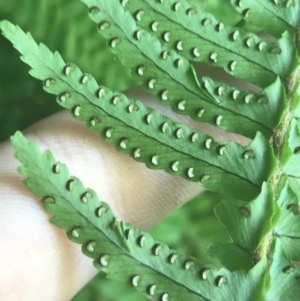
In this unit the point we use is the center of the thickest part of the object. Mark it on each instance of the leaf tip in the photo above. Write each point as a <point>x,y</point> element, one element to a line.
<point>6,26</point>
<point>17,138</point>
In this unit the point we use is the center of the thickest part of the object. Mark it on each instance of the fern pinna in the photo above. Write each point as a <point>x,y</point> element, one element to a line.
<point>258,183</point>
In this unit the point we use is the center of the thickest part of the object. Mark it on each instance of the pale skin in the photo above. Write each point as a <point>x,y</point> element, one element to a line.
<point>37,261</point>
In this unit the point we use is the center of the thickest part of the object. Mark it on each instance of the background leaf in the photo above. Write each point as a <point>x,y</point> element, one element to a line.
<point>56,23</point>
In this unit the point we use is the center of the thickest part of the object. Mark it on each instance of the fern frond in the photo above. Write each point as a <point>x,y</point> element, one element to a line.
<point>145,134</point>
<point>170,77</point>
<point>259,183</point>
<point>119,249</point>
<point>275,16</point>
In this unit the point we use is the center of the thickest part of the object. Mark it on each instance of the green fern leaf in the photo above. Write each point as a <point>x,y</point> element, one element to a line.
<point>256,218</point>
<point>274,16</point>
<point>296,102</point>
<point>247,224</point>
<point>239,259</point>
<point>291,151</point>
<point>259,183</point>
<point>119,249</point>
<point>284,276</point>
<point>156,65</point>
<point>148,137</point>
<point>234,50</point>
<point>287,231</point>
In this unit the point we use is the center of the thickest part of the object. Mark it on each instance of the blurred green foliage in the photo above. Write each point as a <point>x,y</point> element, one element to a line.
<point>63,26</point>
<point>66,27</point>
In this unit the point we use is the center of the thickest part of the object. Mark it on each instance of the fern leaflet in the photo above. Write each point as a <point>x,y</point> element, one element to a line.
<point>274,16</point>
